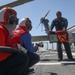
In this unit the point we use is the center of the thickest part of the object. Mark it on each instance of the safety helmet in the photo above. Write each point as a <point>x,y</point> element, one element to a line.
<point>26,24</point>
<point>4,15</point>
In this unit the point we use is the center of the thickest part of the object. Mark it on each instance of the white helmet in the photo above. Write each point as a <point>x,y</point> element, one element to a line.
<point>25,23</point>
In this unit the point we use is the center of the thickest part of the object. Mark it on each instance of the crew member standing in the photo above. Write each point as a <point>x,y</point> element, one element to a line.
<point>60,23</point>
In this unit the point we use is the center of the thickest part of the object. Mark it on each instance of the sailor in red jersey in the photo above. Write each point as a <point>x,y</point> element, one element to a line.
<point>11,63</point>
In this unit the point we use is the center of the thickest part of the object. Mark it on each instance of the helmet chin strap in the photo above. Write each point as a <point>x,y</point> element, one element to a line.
<point>12,22</point>
<point>29,27</point>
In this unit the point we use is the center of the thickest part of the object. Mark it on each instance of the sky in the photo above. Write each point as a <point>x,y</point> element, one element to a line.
<point>36,8</point>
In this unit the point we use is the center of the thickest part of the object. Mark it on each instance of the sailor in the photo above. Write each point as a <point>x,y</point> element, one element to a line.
<point>22,36</point>
<point>60,23</point>
<point>12,61</point>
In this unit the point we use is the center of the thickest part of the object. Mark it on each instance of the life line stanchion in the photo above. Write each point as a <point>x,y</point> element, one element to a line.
<point>62,36</point>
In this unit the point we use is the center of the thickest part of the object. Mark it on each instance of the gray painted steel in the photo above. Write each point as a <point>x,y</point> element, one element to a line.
<point>15,3</point>
<point>54,67</point>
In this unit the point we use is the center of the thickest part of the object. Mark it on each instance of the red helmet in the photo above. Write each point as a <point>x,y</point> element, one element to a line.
<point>4,14</point>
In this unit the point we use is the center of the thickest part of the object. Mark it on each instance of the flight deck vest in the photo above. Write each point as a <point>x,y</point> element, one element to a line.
<point>18,32</point>
<point>8,42</point>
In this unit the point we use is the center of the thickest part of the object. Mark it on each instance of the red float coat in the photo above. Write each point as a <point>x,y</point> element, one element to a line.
<point>18,32</point>
<point>5,40</point>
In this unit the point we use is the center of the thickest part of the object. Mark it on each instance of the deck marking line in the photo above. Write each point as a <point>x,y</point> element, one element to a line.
<point>56,63</point>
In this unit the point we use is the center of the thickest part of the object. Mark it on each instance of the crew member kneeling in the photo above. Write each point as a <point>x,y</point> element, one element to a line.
<point>23,37</point>
<point>11,63</point>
